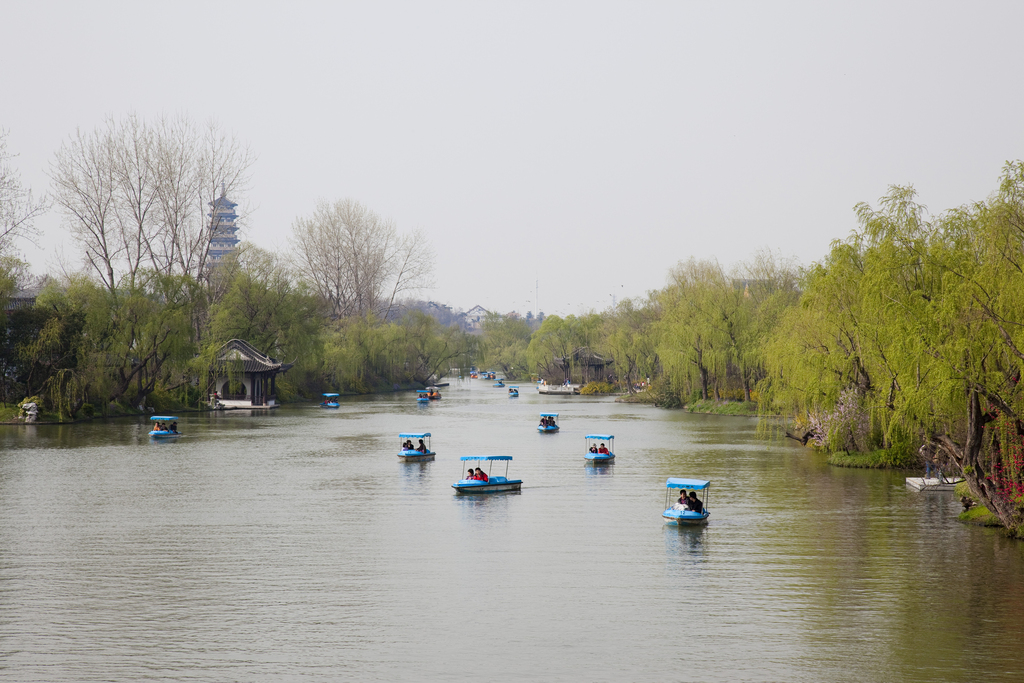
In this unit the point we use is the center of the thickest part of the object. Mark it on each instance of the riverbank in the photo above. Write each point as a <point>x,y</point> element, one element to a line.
<point>879,460</point>
<point>713,407</point>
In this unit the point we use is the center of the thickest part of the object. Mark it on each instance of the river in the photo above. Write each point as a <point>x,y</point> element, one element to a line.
<point>292,545</point>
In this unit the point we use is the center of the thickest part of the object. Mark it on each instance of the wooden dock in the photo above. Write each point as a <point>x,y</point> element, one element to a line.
<point>932,483</point>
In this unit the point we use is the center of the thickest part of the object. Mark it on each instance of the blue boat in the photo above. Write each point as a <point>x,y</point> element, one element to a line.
<point>548,422</point>
<point>163,428</point>
<point>493,484</point>
<point>513,392</point>
<point>414,454</point>
<point>499,384</point>
<point>422,396</point>
<point>677,514</point>
<point>597,452</point>
<point>330,401</point>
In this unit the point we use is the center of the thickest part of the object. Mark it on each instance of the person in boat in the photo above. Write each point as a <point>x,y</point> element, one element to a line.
<point>681,504</point>
<point>407,446</point>
<point>602,450</point>
<point>470,476</point>
<point>422,448</point>
<point>593,448</point>
<point>481,475</point>
<point>694,503</point>
<point>174,428</point>
<point>543,422</point>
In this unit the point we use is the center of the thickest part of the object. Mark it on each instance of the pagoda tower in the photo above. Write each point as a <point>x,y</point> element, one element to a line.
<point>222,228</point>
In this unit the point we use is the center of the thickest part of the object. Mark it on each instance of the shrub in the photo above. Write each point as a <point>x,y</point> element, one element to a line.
<point>597,388</point>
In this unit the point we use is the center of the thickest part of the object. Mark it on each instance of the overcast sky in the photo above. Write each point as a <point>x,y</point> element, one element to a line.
<point>588,145</point>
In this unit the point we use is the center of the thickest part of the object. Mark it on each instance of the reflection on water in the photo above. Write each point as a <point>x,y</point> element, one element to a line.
<point>294,544</point>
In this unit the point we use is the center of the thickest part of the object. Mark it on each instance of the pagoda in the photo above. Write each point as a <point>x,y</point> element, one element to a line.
<point>222,228</point>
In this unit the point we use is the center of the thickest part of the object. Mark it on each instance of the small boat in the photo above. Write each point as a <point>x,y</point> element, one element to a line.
<point>499,384</point>
<point>596,450</point>
<point>433,394</point>
<point>513,392</point>
<point>330,401</point>
<point>549,425</point>
<point>413,454</point>
<point>421,396</point>
<point>674,514</point>
<point>164,431</point>
<point>493,484</point>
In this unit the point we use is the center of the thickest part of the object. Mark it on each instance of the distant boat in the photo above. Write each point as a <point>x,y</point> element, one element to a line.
<point>330,401</point>
<point>597,452</point>
<point>433,394</point>
<point>413,454</point>
<point>675,514</point>
<point>550,425</point>
<point>164,431</point>
<point>421,396</point>
<point>493,484</point>
<point>513,392</point>
<point>499,384</point>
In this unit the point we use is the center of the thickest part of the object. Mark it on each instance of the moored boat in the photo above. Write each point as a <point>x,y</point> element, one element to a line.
<point>414,454</point>
<point>548,423</point>
<point>679,513</point>
<point>491,484</point>
<point>330,401</point>
<point>597,452</point>
<point>165,427</point>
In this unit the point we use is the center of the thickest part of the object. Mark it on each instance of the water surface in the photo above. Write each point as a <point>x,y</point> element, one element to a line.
<point>292,545</point>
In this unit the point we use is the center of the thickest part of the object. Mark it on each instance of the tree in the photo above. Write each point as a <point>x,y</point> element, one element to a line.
<point>356,261</point>
<point>18,210</point>
<point>505,342</point>
<point>136,195</point>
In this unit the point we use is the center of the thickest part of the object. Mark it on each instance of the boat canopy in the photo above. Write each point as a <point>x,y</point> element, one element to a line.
<point>422,391</point>
<point>549,414</point>
<point>163,417</point>
<point>606,437</point>
<point>512,386</point>
<point>329,395</point>
<point>486,457</point>
<point>413,435</point>
<point>677,483</point>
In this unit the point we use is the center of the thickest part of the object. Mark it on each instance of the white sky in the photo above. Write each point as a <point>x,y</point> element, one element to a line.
<point>590,145</point>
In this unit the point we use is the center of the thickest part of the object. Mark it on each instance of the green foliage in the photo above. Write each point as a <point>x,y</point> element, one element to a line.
<point>713,407</point>
<point>505,344</point>
<point>887,459</point>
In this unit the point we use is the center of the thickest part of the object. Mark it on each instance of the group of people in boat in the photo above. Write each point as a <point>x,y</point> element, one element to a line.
<point>689,502</point>
<point>172,428</point>
<point>478,475</point>
<point>513,390</point>
<point>421,447</point>
<point>547,422</point>
<point>602,450</point>
<point>433,393</point>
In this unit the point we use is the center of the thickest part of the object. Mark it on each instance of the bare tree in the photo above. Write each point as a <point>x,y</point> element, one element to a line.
<point>356,261</point>
<point>138,195</point>
<point>17,209</point>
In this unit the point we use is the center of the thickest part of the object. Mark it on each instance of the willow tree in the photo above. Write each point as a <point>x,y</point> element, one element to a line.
<point>504,346</point>
<point>630,340</point>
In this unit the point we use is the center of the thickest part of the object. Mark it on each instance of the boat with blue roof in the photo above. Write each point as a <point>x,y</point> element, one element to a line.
<point>597,451</point>
<point>164,427</point>
<point>681,513</point>
<point>414,452</point>
<point>499,384</point>
<point>548,423</point>
<point>330,401</point>
<point>489,483</point>
<point>422,396</point>
<point>513,391</point>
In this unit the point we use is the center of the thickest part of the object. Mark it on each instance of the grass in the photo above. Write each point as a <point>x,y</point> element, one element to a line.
<point>979,515</point>
<point>712,407</point>
<point>881,459</point>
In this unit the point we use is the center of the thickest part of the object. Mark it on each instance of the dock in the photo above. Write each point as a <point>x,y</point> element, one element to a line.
<point>559,389</point>
<point>932,483</point>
